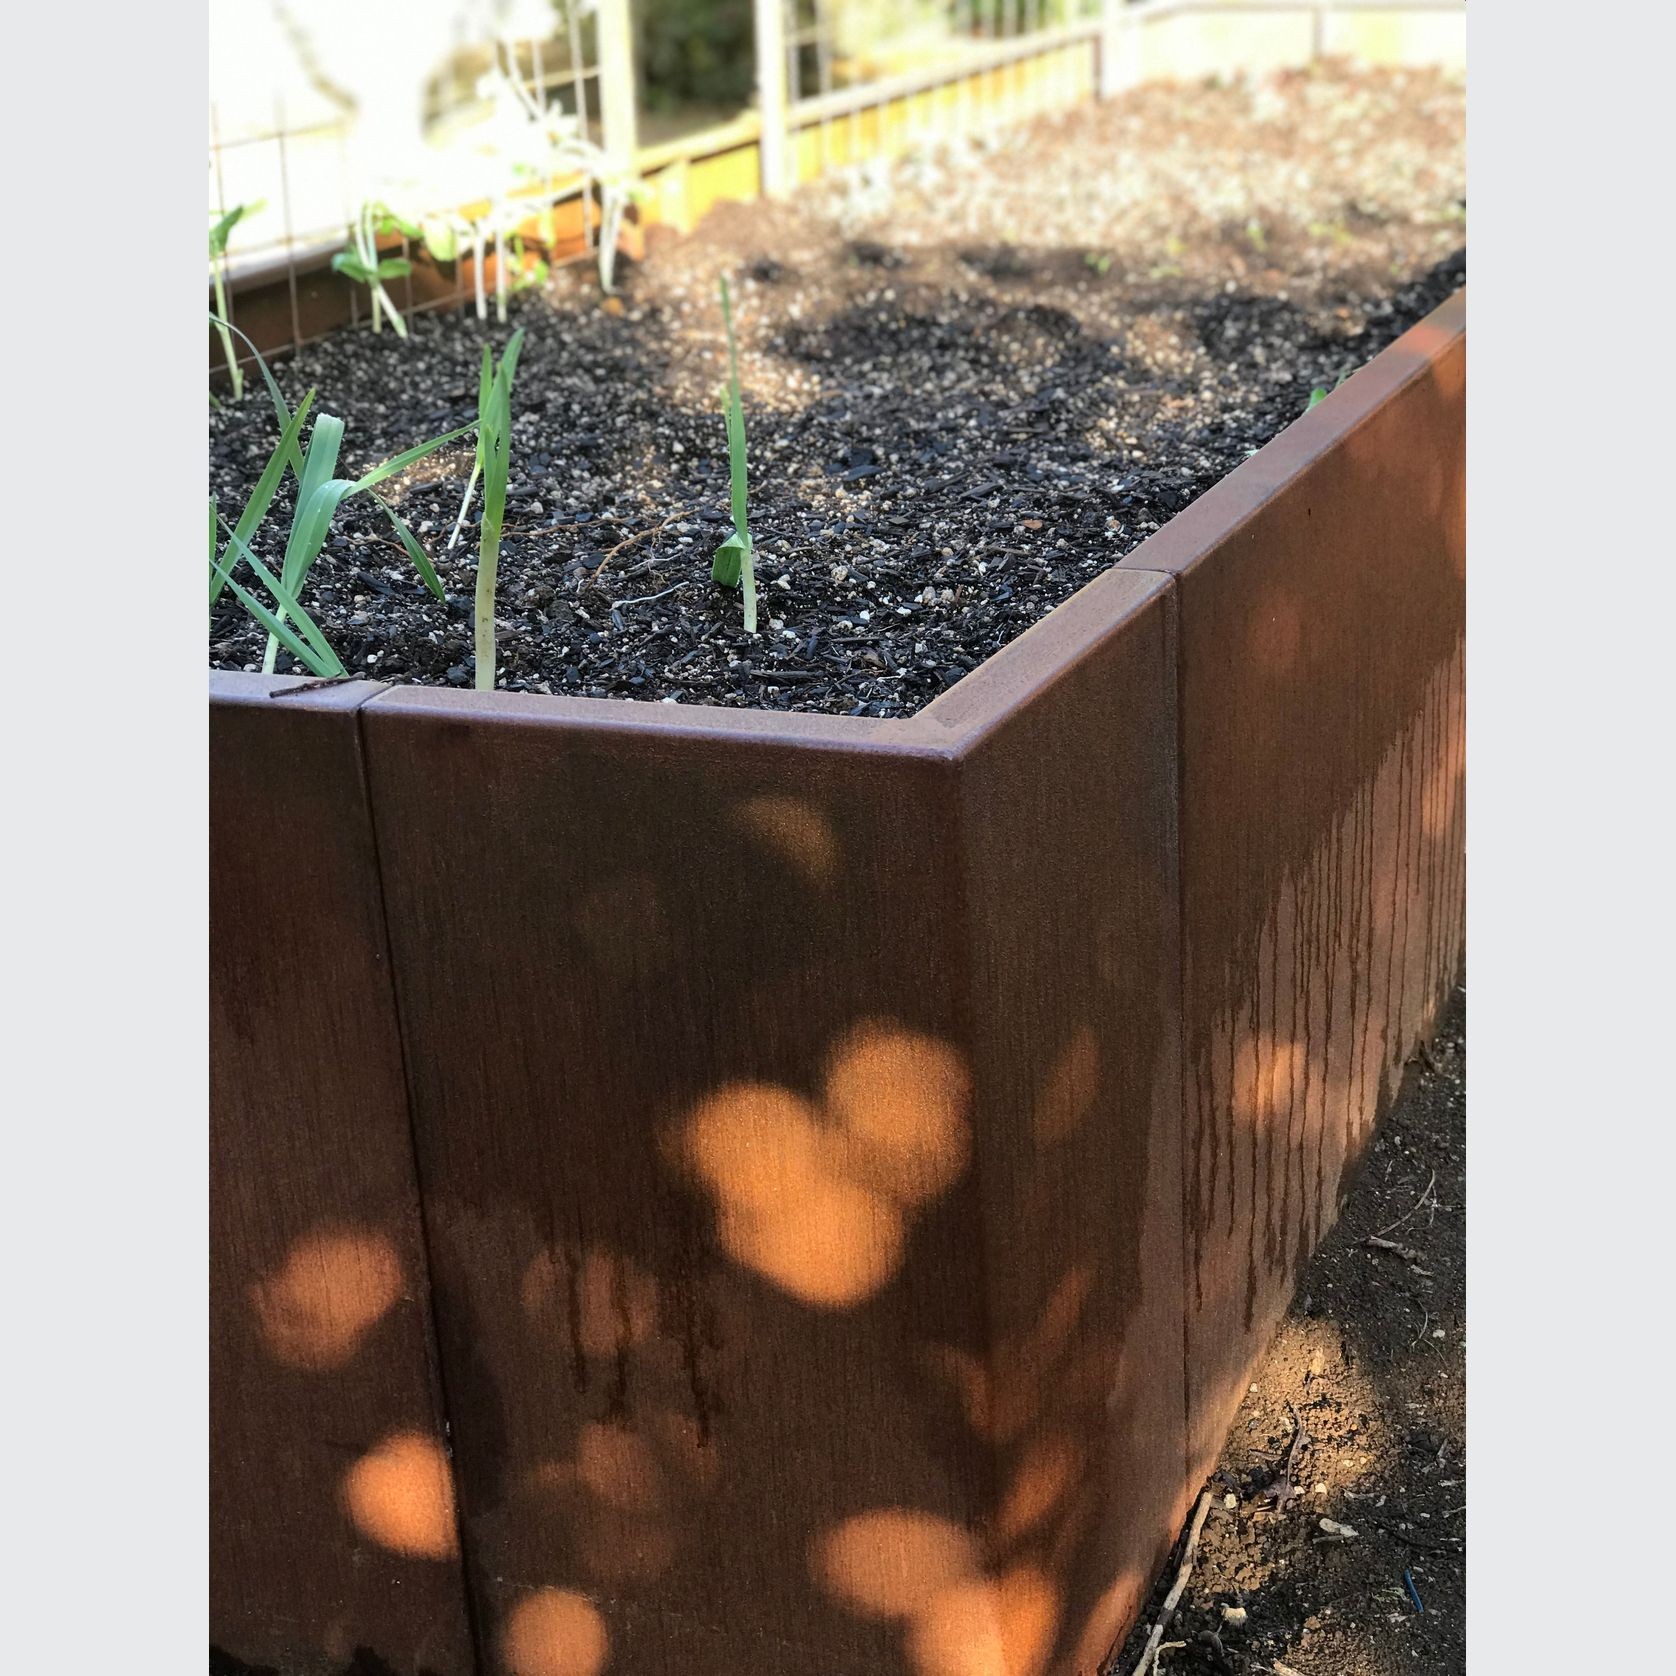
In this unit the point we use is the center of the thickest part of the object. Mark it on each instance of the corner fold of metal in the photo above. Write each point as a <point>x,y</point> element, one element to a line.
<point>1228,505</point>
<point>617,718</point>
<point>1112,603</point>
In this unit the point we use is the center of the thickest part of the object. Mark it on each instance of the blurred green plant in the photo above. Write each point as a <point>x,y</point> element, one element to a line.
<point>219,234</point>
<point>494,453</point>
<point>1320,392</point>
<point>529,271</point>
<point>734,563</point>
<point>361,261</point>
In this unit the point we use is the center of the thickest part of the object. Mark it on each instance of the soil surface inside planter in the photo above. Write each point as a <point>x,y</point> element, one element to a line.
<point>1372,1359</point>
<point>972,382</point>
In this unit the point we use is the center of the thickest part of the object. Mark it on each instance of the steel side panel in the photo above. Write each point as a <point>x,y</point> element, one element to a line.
<point>320,1350</point>
<point>1322,605</point>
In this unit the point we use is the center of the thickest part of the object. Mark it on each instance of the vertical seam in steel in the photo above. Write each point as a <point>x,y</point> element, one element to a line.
<point>965,1009</point>
<point>1173,657</point>
<point>474,1623</point>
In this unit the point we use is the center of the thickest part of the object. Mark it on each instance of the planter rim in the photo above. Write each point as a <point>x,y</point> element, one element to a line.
<point>982,699</point>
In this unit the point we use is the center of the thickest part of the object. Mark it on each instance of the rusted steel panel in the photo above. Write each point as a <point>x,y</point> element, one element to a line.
<point>332,1535</point>
<point>1321,593</point>
<point>684,1292</point>
<point>826,1125</point>
<point>749,1075</point>
<point>1068,798</point>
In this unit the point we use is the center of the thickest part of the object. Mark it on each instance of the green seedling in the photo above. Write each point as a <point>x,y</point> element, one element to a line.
<point>485,383</point>
<point>442,238</point>
<point>219,234</point>
<point>361,261</point>
<point>734,564</point>
<point>1259,239</point>
<point>528,270</point>
<point>319,495</point>
<point>1319,393</point>
<point>494,452</point>
<point>1100,261</point>
<point>310,647</point>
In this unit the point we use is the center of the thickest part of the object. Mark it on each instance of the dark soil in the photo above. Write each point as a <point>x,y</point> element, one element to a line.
<point>1372,1360</point>
<point>971,384</point>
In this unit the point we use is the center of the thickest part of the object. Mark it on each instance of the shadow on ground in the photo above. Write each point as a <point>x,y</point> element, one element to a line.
<point>1371,1359</point>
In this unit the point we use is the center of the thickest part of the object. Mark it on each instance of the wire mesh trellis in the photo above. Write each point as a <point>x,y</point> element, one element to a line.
<point>868,78</point>
<point>283,142</point>
<point>840,84</point>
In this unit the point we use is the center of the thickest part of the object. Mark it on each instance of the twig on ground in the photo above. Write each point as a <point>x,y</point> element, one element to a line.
<point>1406,1252</point>
<point>1411,1541</point>
<point>646,599</point>
<point>1390,1226</point>
<point>311,686</point>
<point>1281,1486</point>
<point>635,539</point>
<point>1149,1656</point>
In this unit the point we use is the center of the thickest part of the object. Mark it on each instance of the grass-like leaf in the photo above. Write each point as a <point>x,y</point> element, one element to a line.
<point>734,562</point>
<point>421,561</point>
<point>311,649</point>
<point>281,412</point>
<point>261,497</point>
<point>494,446</point>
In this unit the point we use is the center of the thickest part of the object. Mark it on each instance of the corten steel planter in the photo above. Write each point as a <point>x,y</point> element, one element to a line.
<point>1320,593</point>
<point>712,1191</point>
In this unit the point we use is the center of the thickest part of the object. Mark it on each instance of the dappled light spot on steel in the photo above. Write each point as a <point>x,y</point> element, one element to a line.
<point>795,831</point>
<point>1003,1398</point>
<point>892,1562</point>
<point>816,1199</point>
<point>1267,1071</point>
<point>834,1246</point>
<point>609,1301</point>
<point>901,1098</point>
<point>1069,1089</point>
<point>401,1496</point>
<point>618,1467</point>
<point>1045,1476</point>
<point>555,1632</point>
<point>987,1627</point>
<point>964,1373</point>
<point>628,1499</point>
<point>1061,1315</point>
<point>332,1290</point>
<point>756,1145</point>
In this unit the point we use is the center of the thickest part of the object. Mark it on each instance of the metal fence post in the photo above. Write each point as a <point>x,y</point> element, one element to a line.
<point>617,98</point>
<point>1120,41</point>
<point>771,96</point>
